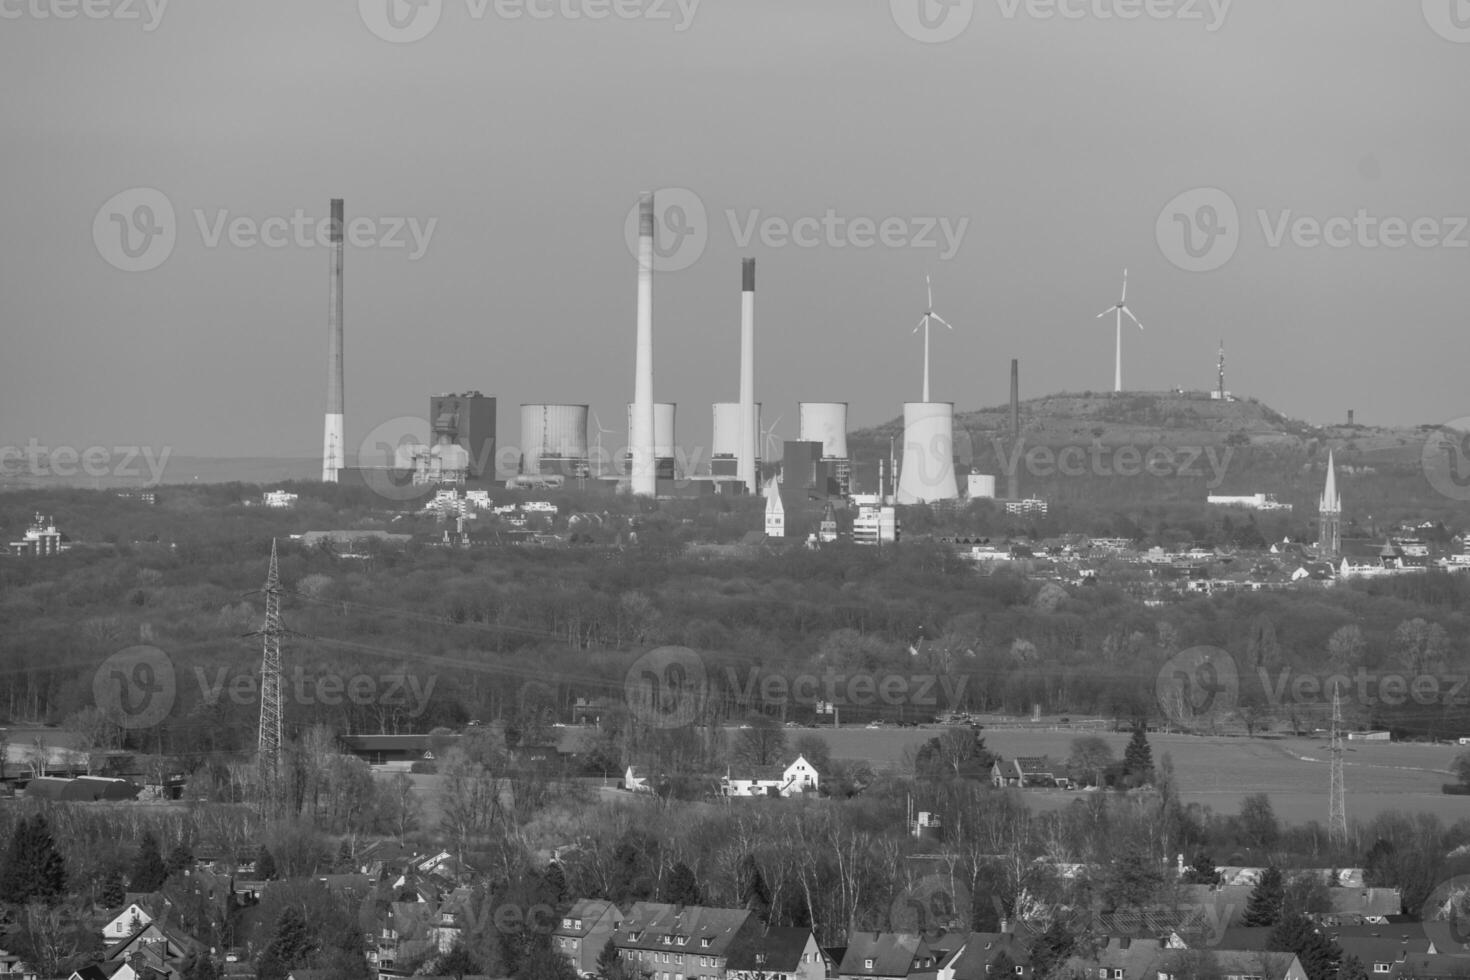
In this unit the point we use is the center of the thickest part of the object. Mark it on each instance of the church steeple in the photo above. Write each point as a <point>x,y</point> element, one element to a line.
<point>1329,512</point>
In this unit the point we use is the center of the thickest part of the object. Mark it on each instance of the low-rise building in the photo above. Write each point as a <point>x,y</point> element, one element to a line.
<point>583,931</point>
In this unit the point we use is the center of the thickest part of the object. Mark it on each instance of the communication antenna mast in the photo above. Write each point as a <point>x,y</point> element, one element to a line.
<point>1337,807</point>
<point>1222,370</point>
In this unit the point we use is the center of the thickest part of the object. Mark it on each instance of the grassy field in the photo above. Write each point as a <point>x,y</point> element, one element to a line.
<point>1217,772</point>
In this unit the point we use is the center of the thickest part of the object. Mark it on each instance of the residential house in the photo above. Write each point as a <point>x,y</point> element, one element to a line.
<point>12,967</point>
<point>779,953</point>
<point>1382,949</point>
<point>1026,771</point>
<point>584,930</point>
<point>1230,964</point>
<point>979,950</point>
<point>797,778</point>
<point>1432,966</point>
<point>886,956</point>
<point>134,916</point>
<point>674,942</point>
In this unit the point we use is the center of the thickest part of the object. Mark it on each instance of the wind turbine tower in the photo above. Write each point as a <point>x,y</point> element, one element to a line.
<point>927,472</point>
<point>1119,310</point>
<point>924,321</point>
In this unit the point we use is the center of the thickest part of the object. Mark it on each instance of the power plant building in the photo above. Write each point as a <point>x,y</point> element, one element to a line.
<point>554,440</point>
<point>467,421</point>
<point>826,423</point>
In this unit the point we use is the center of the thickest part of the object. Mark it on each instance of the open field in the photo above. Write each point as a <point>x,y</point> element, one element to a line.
<point>1217,772</point>
<point>1213,771</point>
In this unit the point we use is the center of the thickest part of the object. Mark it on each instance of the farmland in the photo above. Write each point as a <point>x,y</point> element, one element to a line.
<point>1217,772</point>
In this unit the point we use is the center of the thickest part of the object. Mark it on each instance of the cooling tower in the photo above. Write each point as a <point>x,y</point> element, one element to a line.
<point>663,429</point>
<point>333,452</point>
<point>553,440</point>
<point>726,442</point>
<point>825,422</point>
<point>927,471</point>
<point>643,472</point>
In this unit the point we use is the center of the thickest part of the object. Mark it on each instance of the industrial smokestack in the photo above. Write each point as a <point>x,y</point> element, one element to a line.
<point>644,469</point>
<point>1013,479</point>
<point>332,449</point>
<point>745,462</point>
<point>1350,416</point>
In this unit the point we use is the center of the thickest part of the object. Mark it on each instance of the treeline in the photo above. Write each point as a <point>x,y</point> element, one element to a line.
<point>409,639</point>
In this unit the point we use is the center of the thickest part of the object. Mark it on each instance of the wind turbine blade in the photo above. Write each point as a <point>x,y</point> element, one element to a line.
<point>929,284</point>
<point>1132,317</point>
<point>922,320</point>
<point>1106,312</point>
<point>1125,287</point>
<point>942,320</point>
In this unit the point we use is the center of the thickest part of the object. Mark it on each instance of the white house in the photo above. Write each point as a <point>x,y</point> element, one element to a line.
<point>799,777</point>
<point>125,923</point>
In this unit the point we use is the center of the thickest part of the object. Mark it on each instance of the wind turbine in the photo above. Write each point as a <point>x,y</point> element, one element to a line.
<point>929,314</point>
<point>601,460</point>
<point>1118,309</point>
<point>769,437</point>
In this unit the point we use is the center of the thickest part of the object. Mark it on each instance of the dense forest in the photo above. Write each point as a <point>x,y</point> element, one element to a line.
<point>472,629</point>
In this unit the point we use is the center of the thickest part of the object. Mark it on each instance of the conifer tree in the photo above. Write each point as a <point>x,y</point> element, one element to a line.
<point>1319,955</point>
<point>1138,758</point>
<point>33,869</point>
<point>1266,901</point>
<point>149,871</point>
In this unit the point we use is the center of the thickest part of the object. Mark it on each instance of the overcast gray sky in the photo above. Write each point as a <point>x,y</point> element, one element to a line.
<point>1059,139</point>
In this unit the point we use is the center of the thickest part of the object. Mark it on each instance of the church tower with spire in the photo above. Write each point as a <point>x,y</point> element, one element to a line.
<point>1329,513</point>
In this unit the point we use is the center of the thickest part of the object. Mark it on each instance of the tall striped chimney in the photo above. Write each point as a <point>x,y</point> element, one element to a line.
<point>332,440</point>
<point>745,464</point>
<point>644,469</point>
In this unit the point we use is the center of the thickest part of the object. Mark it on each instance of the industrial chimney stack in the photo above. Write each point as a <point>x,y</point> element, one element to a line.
<point>745,464</point>
<point>332,442</point>
<point>1013,478</point>
<point>644,471</point>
